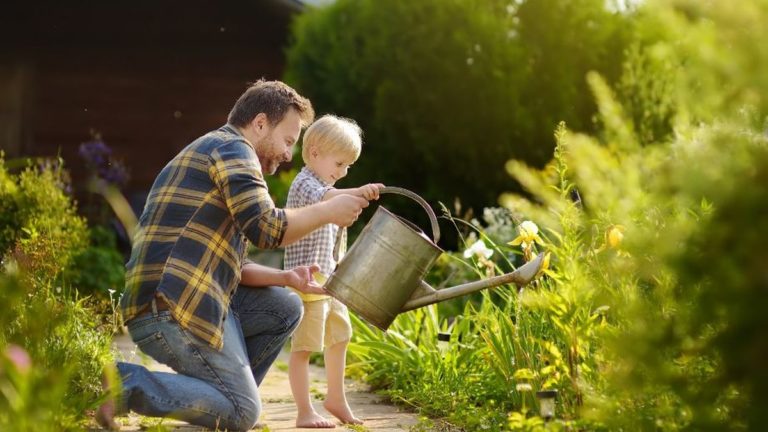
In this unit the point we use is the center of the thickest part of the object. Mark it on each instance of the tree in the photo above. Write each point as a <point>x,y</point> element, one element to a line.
<point>447,91</point>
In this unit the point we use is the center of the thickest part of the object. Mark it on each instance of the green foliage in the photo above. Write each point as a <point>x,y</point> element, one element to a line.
<point>650,315</point>
<point>648,93</point>
<point>41,225</point>
<point>65,354</point>
<point>41,228</point>
<point>279,185</point>
<point>728,290</point>
<point>407,362</point>
<point>49,367</point>
<point>716,52</point>
<point>448,91</point>
<point>99,269</point>
<point>9,222</point>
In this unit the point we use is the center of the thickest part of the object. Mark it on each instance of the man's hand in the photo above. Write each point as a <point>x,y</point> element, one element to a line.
<point>370,191</point>
<point>301,278</point>
<point>345,209</point>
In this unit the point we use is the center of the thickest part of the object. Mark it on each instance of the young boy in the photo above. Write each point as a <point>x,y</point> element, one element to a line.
<point>331,145</point>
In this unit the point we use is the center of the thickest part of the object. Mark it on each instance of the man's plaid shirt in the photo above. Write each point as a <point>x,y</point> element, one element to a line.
<point>191,240</point>
<point>317,247</point>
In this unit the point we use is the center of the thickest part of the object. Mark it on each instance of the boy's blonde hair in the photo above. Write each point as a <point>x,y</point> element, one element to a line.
<point>331,134</point>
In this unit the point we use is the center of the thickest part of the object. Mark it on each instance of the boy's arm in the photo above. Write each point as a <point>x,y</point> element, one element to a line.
<point>257,275</point>
<point>237,174</point>
<point>342,210</point>
<point>369,191</point>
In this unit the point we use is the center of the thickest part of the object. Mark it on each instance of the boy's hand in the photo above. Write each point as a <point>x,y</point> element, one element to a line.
<point>301,278</point>
<point>370,191</point>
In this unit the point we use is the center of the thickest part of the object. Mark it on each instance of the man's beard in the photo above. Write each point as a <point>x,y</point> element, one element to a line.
<point>267,158</point>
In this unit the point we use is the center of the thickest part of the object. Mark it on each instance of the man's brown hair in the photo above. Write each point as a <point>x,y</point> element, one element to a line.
<point>272,98</point>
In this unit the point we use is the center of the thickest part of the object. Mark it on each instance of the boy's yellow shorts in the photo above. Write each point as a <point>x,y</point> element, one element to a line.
<point>325,323</point>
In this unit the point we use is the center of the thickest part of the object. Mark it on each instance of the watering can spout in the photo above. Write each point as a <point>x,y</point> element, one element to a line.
<point>382,273</point>
<point>426,295</point>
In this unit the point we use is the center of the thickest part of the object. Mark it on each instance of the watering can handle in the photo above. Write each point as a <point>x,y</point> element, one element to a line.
<point>404,192</point>
<point>422,202</point>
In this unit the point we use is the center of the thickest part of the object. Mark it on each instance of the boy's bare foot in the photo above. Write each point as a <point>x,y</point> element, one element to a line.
<point>313,420</point>
<point>341,411</point>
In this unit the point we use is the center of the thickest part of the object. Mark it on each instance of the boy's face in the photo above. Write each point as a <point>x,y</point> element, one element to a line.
<point>328,166</point>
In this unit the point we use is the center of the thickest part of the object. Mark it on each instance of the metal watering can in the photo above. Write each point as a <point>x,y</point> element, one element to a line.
<point>381,274</point>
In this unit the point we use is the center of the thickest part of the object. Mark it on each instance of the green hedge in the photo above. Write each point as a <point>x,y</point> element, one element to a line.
<point>447,91</point>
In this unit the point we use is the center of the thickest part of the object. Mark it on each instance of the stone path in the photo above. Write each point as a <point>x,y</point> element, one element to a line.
<point>279,412</point>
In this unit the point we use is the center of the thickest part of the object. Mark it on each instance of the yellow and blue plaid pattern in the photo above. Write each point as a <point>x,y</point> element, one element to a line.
<point>189,248</point>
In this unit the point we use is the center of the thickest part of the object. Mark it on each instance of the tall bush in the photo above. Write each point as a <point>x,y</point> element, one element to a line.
<point>52,344</point>
<point>651,315</point>
<point>448,91</point>
<point>40,223</point>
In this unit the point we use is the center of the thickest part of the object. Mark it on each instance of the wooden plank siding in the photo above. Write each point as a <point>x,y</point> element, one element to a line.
<point>147,77</point>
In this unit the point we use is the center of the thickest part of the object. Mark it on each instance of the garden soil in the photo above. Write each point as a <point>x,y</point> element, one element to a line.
<point>279,412</point>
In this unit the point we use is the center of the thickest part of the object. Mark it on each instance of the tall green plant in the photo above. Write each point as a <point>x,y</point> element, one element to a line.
<point>52,344</point>
<point>447,91</point>
<point>41,225</point>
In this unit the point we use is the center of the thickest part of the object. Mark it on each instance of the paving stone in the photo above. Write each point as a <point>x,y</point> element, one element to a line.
<point>279,412</point>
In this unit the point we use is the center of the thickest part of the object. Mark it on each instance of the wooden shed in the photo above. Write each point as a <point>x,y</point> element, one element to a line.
<point>148,77</point>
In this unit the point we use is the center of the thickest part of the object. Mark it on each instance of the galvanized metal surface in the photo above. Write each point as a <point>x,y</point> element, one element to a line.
<point>382,273</point>
<point>381,269</point>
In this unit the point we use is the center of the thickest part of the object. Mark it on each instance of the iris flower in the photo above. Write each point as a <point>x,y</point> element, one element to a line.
<point>478,249</point>
<point>528,236</point>
<point>614,235</point>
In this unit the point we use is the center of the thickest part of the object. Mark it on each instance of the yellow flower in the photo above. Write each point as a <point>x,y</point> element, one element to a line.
<point>528,235</point>
<point>614,235</point>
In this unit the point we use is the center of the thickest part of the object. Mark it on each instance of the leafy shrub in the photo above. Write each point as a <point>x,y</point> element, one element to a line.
<point>639,323</point>
<point>726,291</point>
<point>65,353</point>
<point>448,91</point>
<point>280,184</point>
<point>99,269</point>
<point>9,222</point>
<point>52,345</point>
<point>42,226</point>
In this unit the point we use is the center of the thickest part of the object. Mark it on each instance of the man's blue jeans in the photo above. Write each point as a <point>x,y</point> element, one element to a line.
<point>214,389</point>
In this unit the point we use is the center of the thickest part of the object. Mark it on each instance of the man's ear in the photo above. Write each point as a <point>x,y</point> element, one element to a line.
<point>260,124</point>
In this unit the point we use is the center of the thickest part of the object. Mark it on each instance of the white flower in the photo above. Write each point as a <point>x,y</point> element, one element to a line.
<point>523,387</point>
<point>529,227</point>
<point>529,234</point>
<point>478,249</point>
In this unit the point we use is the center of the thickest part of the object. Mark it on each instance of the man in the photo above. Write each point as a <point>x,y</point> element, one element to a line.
<point>182,304</point>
